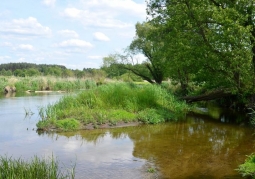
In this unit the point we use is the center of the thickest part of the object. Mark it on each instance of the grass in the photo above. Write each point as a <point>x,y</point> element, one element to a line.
<point>247,169</point>
<point>46,83</point>
<point>36,168</point>
<point>112,103</point>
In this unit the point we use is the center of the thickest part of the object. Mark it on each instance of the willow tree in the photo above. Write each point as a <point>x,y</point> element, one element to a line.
<point>150,44</point>
<point>208,41</point>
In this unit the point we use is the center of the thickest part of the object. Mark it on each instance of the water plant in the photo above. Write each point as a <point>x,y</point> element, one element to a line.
<point>112,103</point>
<point>247,169</point>
<point>35,168</point>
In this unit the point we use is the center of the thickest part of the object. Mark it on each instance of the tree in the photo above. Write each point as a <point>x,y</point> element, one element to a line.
<point>150,44</point>
<point>212,41</point>
<point>112,66</point>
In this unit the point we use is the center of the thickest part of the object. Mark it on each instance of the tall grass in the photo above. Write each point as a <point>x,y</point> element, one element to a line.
<point>35,169</point>
<point>113,103</point>
<point>46,83</point>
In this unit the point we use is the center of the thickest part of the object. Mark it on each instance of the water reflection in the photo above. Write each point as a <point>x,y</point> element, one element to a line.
<point>199,146</point>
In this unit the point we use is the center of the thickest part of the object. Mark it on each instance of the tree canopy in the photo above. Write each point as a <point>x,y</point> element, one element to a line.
<point>208,41</point>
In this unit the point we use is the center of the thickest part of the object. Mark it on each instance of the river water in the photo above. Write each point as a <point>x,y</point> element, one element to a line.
<point>199,146</point>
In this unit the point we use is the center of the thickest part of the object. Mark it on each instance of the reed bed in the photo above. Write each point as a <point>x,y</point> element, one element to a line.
<point>36,168</point>
<point>46,83</point>
<point>113,103</point>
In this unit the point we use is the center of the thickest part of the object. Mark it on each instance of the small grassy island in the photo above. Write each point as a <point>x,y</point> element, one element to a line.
<point>112,105</point>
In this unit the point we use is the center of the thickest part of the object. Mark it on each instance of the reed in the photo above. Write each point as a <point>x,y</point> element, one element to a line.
<point>35,168</point>
<point>46,83</point>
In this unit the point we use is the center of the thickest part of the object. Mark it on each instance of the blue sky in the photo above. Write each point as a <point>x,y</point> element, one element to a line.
<point>74,33</point>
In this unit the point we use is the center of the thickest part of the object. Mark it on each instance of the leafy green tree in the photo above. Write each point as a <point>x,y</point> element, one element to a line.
<point>112,66</point>
<point>148,42</point>
<point>32,72</point>
<point>208,41</point>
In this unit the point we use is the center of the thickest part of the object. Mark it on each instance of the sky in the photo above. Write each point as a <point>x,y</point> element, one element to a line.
<point>73,33</point>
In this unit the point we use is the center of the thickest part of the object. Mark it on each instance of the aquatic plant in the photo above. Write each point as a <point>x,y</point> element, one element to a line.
<point>247,169</point>
<point>35,168</point>
<point>113,103</point>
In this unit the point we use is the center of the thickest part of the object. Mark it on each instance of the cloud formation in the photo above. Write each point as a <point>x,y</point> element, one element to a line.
<point>29,27</point>
<point>74,43</point>
<point>49,2</point>
<point>69,33</point>
<point>106,13</point>
<point>100,36</point>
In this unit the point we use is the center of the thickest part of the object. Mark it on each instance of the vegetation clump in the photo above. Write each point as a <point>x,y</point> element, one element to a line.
<point>36,168</point>
<point>247,169</point>
<point>110,104</point>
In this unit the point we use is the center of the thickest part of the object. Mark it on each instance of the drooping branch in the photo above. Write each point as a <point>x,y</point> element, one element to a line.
<point>141,75</point>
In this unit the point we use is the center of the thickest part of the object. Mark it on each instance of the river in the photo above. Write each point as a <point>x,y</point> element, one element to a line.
<point>199,146</point>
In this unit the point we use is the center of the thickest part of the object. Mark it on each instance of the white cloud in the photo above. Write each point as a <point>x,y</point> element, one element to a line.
<point>74,43</point>
<point>25,47</point>
<point>72,13</point>
<point>69,33</point>
<point>107,13</point>
<point>129,7</point>
<point>49,2</point>
<point>74,46</point>
<point>29,27</point>
<point>100,36</point>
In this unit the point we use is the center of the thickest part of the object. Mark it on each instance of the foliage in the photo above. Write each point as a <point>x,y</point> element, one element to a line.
<point>30,69</point>
<point>36,168</point>
<point>248,167</point>
<point>150,44</point>
<point>209,42</point>
<point>113,103</point>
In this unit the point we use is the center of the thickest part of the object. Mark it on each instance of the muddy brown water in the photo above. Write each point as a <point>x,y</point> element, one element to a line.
<point>200,146</point>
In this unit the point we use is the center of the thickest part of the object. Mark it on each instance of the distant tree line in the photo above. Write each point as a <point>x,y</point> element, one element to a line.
<point>30,69</point>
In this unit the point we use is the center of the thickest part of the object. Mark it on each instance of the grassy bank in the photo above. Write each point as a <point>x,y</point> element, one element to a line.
<point>45,83</point>
<point>111,104</point>
<point>35,168</point>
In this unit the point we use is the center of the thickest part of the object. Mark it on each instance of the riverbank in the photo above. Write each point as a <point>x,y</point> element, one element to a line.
<point>112,105</point>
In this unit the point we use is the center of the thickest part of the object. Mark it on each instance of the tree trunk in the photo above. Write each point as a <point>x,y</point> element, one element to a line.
<point>207,97</point>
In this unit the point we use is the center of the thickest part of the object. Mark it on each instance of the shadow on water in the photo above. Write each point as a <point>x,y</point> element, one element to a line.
<point>199,146</point>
